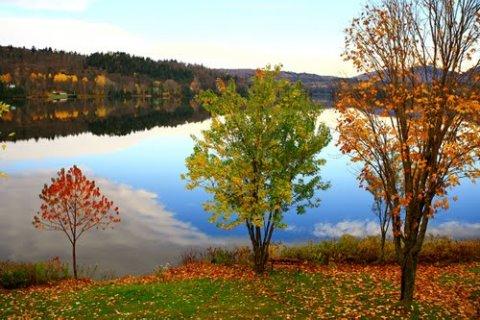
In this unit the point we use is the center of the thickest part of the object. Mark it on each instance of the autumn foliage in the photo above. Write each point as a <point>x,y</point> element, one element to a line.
<point>259,157</point>
<point>412,120</point>
<point>74,205</point>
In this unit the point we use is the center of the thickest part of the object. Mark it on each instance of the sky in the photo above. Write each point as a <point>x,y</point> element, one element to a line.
<point>302,35</point>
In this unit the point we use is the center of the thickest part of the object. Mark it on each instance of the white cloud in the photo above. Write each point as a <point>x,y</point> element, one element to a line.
<point>232,54</point>
<point>54,5</point>
<point>456,229</point>
<point>291,228</point>
<point>355,228</point>
<point>358,228</point>
<point>70,35</point>
<point>147,236</point>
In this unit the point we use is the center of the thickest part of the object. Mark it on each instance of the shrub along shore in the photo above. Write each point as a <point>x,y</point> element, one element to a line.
<point>345,250</point>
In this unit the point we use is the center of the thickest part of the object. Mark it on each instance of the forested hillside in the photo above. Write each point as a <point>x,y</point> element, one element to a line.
<point>320,88</point>
<point>39,72</point>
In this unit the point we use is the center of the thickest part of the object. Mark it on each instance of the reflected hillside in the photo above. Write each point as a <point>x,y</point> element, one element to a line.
<point>35,119</point>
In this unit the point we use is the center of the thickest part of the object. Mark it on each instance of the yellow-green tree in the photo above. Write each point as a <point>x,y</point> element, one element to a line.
<point>260,156</point>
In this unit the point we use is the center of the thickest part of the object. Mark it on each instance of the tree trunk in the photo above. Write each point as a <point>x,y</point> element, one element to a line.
<point>260,243</point>
<point>74,261</point>
<point>409,269</point>
<point>260,256</point>
<point>381,259</point>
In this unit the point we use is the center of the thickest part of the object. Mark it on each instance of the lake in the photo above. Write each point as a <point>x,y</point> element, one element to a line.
<point>135,150</point>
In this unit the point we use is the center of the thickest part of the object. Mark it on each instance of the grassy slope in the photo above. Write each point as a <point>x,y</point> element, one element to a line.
<point>315,293</point>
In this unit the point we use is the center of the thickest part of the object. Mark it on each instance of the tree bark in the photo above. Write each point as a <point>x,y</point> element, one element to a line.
<point>381,259</point>
<point>260,258</point>
<point>74,260</point>
<point>409,269</point>
<point>260,244</point>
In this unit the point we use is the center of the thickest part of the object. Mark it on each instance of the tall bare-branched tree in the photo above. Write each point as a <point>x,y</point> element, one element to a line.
<point>382,211</point>
<point>413,118</point>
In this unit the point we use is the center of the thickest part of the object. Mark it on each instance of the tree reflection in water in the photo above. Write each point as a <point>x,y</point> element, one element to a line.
<point>35,119</point>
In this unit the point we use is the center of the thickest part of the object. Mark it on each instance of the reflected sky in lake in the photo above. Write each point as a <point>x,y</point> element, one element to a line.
<point>140,172</point>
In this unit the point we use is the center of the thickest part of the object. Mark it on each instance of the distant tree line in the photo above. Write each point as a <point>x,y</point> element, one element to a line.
<point>39,72</point>
<point>126,64</point>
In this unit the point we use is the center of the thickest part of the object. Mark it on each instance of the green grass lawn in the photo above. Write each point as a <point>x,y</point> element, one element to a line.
<point>281,295</point>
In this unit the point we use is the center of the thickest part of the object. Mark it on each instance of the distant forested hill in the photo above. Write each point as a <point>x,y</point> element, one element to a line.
<point>321,88</point>
<point>42,72</point>
<point>39,72</point>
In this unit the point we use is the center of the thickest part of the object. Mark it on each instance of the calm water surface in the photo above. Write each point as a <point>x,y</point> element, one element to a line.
<point>136,151</point>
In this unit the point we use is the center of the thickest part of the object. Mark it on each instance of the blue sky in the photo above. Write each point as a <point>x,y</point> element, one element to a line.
<point>303,35</point>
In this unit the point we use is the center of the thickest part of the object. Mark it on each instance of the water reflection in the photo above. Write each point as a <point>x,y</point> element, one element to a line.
<point>48,119</point>
<point>149,235</point>
<point>136,152</point>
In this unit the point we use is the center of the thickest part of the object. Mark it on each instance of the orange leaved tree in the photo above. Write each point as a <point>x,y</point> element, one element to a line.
<point>413,119</point>
<point>73,204</point>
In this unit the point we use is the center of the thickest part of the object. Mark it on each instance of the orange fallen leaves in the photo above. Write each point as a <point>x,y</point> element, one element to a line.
<point>446,286</point>
<point>190,271</point>
<point>209,271</point>
<point>454,287</point>
<point>63,286</point>
<point>430,287</point>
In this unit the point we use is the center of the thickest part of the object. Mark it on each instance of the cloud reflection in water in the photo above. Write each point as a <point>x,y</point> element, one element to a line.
<point>148,235</point>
